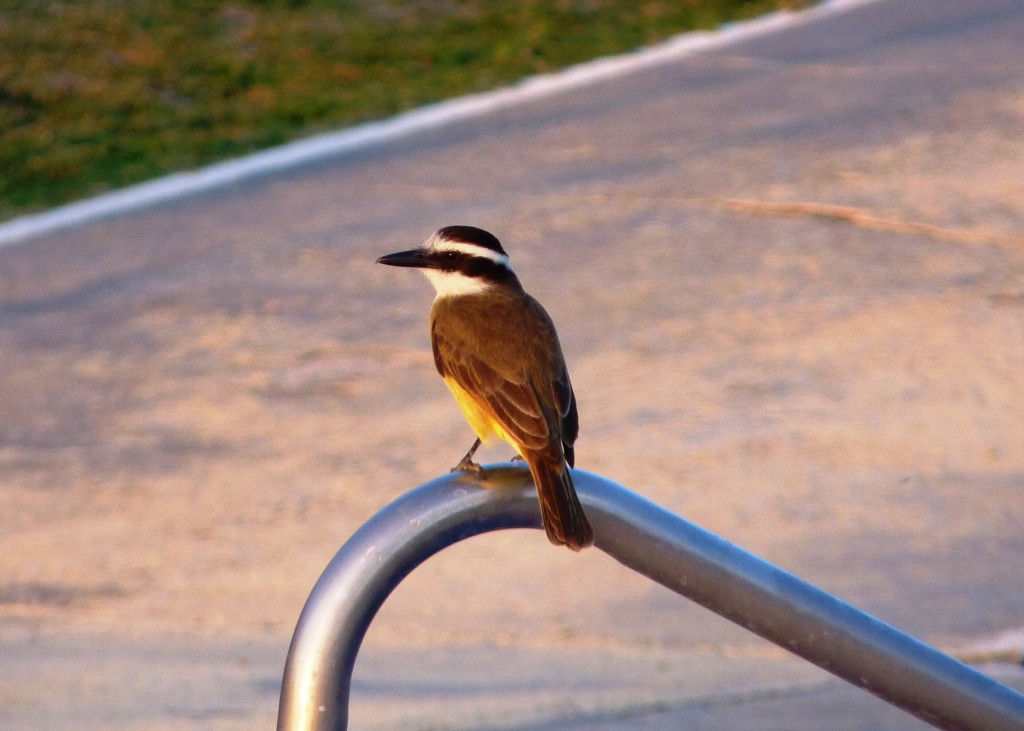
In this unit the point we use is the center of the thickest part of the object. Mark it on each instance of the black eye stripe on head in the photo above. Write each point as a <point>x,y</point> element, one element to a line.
<point>472,266</point>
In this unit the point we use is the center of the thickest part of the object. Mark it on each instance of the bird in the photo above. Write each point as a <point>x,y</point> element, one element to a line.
<point>498,352</point>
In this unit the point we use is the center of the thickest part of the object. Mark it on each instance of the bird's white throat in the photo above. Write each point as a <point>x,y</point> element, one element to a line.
<point>454,284</point>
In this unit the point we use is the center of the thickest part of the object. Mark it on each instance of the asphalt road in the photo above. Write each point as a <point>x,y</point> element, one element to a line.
<point>788,273</point>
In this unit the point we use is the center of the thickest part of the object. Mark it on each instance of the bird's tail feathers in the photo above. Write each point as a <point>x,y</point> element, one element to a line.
<point>564,520</point>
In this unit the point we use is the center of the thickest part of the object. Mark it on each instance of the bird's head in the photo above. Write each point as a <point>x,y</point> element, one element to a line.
<point>458,260</point>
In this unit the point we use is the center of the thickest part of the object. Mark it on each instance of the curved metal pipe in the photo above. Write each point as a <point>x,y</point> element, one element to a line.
<point>668,549</point>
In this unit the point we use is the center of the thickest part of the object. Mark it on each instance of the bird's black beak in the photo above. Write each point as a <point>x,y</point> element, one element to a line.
<point>411,258</point>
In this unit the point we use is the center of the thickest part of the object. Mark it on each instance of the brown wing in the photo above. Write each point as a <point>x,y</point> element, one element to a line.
<point>510,396</point>
<point>565,402</point>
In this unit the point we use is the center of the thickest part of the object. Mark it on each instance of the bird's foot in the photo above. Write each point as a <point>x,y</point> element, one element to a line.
<point>466,464</point>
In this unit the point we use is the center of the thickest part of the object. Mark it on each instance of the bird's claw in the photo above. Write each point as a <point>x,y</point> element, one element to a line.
<point>468,465</point>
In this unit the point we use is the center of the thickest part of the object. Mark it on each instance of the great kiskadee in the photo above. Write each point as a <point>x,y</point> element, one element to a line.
<point>498,353</point>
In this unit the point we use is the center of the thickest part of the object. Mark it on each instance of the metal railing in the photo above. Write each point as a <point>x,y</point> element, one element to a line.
<point>677,554</point>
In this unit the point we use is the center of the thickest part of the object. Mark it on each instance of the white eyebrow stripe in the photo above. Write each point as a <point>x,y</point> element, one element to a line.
<point>461,247</point>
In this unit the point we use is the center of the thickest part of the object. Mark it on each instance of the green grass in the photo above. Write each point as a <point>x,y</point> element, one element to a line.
<point>98,94</point>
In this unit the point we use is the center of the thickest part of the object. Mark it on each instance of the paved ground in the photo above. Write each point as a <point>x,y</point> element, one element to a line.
<point>789,278</point>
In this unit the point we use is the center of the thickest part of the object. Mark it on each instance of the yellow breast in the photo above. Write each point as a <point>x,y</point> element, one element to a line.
<point>480,419</point>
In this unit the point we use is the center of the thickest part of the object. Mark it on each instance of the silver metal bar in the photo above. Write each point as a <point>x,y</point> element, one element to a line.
<point>677,554</point>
